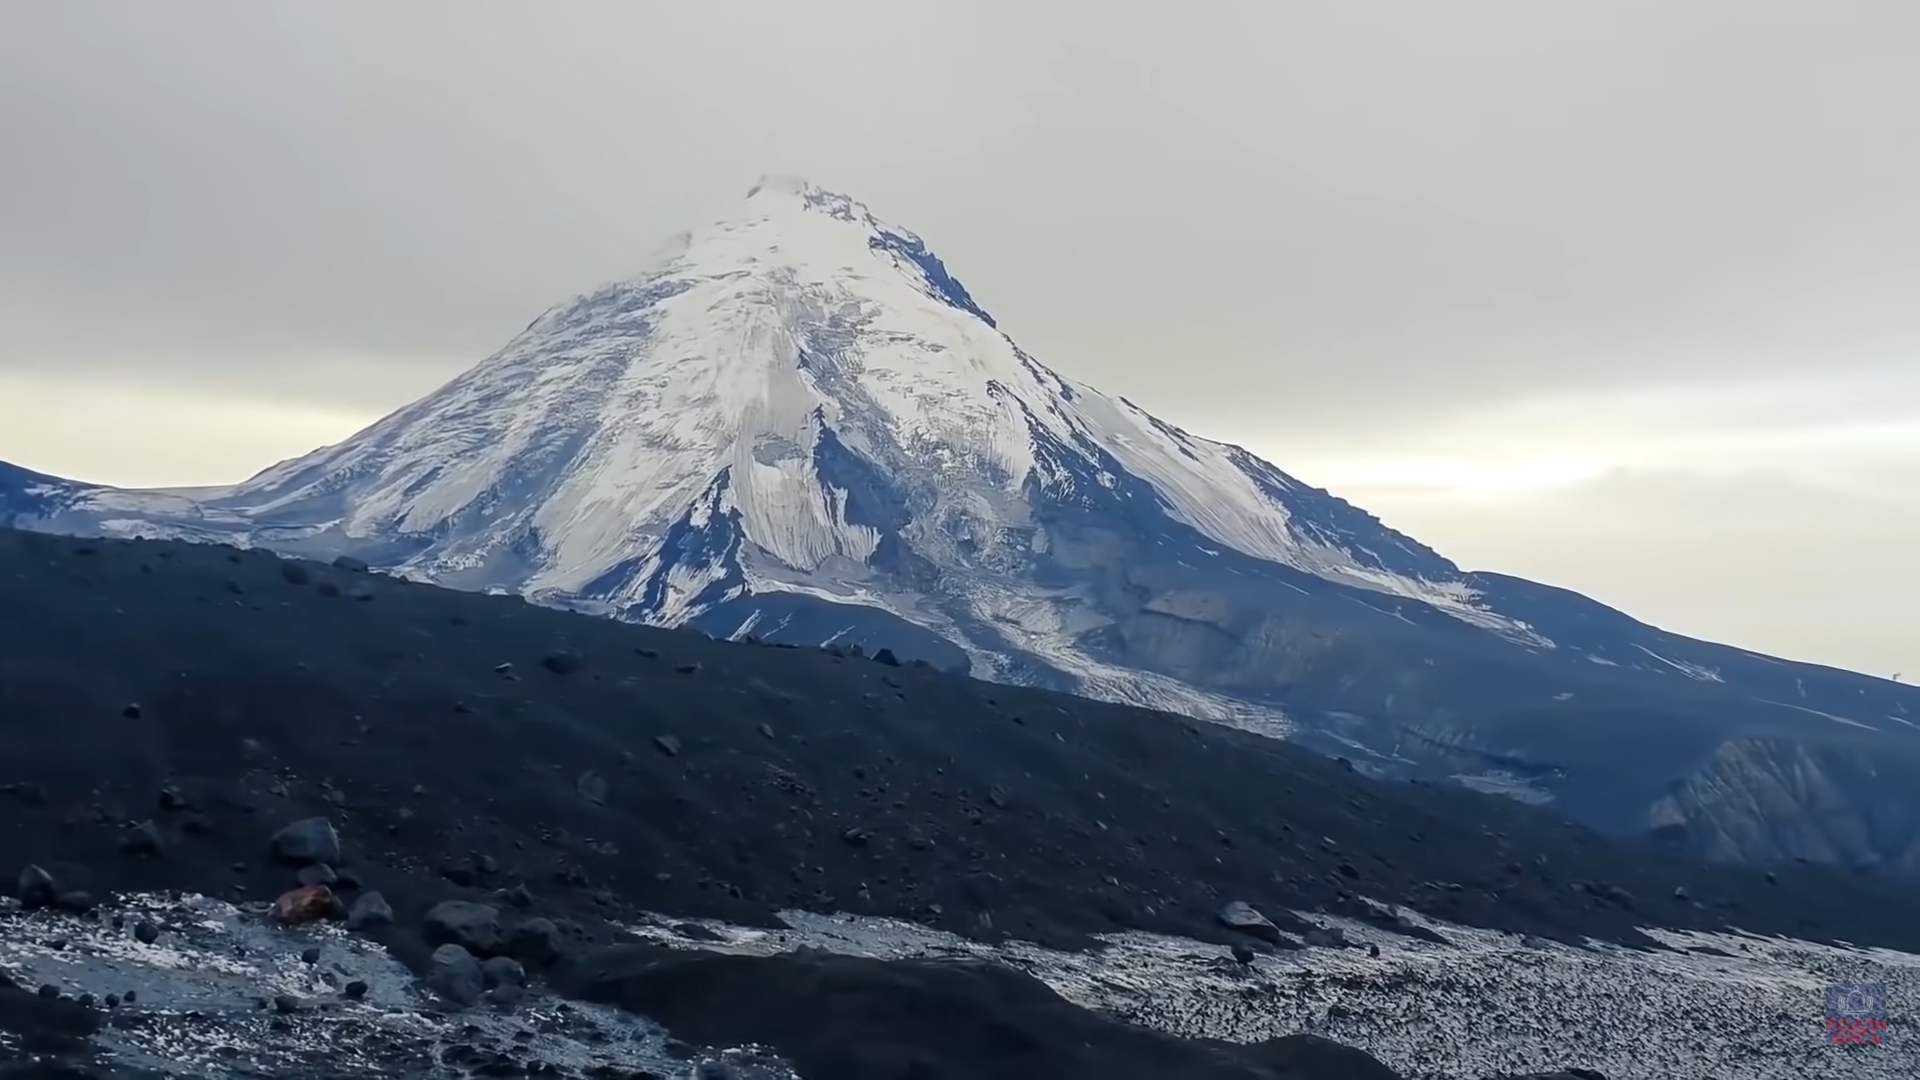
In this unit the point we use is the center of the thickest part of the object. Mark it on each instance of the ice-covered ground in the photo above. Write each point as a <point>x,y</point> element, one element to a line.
<point>1715,1007</point>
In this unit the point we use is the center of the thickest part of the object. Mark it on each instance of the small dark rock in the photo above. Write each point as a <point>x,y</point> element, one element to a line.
<point>369,910</point>
<point>294,573</point>
<point>317,874</point>
<point>146,932</point>
<point>668,744</point>
<point>453,973</point>
<point>286,1003</point>
<point>37,889</point>
<point>310,840</point>
<point>537,941</point>
<point>310,955</point>
<point>885,656</point>
<point>561,663</point>
<point>1243,952</point>
<point>351,564</point>
<point>354,990</point>
<point>473,927</point>
<point>1241,916</point>
<point>503,971</point>
<point>143,839</point>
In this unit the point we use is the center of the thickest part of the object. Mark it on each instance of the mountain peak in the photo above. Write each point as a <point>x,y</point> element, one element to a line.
<point>775,192</point>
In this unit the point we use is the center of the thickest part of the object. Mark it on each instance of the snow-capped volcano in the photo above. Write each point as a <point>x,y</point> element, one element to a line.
<point>802,399</point>
<point>799,426</point>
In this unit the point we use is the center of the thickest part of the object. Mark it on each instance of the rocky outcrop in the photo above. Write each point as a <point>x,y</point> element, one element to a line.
<point>1774,799</point>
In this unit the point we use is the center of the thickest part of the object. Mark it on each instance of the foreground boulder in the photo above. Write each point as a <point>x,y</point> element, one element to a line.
<point>453,973</point>
<point>312,840</point>
<point>1240,916</point>
<point>473,927</point>
<point>856,1018</point>
<point>36,889</point>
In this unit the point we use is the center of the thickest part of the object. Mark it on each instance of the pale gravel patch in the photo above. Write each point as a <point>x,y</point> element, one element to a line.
<point>205,991</point>
<point>1483,1004</point>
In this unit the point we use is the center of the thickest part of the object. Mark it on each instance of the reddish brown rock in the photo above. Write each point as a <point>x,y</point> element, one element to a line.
<point>309,903</point>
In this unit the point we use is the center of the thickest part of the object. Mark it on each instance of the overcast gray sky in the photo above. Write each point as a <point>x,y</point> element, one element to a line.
<point>1623,296</point>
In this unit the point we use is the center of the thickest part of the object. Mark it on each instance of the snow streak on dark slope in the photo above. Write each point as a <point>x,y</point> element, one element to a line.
<point>800,425</point>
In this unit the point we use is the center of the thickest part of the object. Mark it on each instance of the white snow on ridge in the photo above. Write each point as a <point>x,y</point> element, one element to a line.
<point>1691,671</point>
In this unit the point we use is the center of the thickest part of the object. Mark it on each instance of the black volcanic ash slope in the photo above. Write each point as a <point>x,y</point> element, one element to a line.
<point>733,779</point>
<point>466,742</point>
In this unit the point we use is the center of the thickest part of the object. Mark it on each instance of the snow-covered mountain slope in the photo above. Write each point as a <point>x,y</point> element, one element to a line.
<point>798,425</point>
<point>799,395</point>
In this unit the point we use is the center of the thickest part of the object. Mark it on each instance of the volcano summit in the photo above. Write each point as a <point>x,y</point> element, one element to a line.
<point>800,426</point>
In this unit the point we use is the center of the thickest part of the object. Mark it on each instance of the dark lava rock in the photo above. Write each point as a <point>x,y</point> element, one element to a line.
<point>503,971</point>
<point>453,973</point>
<point>354,990</point>
<point>1243,953</point>
<point>1240,916</point>
<point>351,564</point>
<point>473,927</point>
<point>37,889</point>
<point>317,874</point>
<point>536,941</point>
<point>146,932</point>
<point>561,663</point>
<point>857,1018</point>
<point>294,573</point>
<point>311,840</point>
<point>369,910</point>
<point>143,839</point>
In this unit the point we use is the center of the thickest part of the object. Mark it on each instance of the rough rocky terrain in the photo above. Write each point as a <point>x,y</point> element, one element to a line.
<point>166,709</point>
